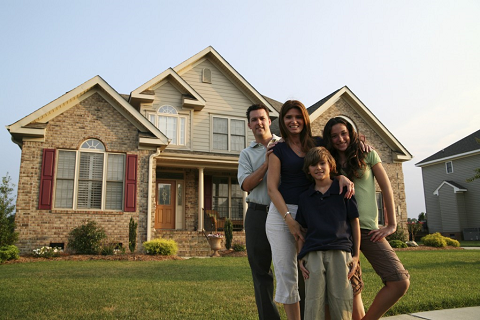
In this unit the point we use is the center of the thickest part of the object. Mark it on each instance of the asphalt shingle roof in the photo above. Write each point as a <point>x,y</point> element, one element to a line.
<point>467,144</point>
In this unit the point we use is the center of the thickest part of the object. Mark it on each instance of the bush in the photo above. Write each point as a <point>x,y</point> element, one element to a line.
<point>228,228</point>
<point>109,249</point>
<point>452,242</point>
<point>434,240</point>
<point>132,235</point>
<point>47,252</point>
<point>162,247</point>
<point>399,234</point>
<point>239,247</point>
<point>397,244</point>
<point>9,252</point>
<point>8,236</point>
<point>86,239</point>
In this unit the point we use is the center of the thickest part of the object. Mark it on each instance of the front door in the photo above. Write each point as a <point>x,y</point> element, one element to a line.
<point>165,205</point>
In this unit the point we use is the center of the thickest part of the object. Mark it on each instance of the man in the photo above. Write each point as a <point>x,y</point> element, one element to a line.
<point>252,174</point>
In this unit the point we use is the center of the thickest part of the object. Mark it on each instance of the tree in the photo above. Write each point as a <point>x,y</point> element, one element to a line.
<point>422,216</point>
<point>476,176</point>
<point>132,235</point>
<point>8,236</point>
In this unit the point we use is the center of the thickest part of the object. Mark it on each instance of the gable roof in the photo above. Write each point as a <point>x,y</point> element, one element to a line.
<point>190,99</point>
<point>401,154</point>
<point>33,126</point>
<point>212,55</point>
<point>455,186</point>
<point>464,147</point>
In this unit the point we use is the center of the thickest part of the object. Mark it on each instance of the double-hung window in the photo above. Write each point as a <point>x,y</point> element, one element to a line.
<point>173,125</point>
<point>381,212</point>
<point>228,134</point>
<point>90,178</point>
<point>449,167</point>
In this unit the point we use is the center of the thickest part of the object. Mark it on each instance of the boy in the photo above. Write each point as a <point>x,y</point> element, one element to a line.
<point>329,256</point>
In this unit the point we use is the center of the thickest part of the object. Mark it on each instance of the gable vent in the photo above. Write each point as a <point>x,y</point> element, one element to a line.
<point>207,75</point>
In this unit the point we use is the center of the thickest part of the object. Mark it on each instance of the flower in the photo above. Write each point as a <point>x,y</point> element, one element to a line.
<point>47,252</point>
<point>214,235</point>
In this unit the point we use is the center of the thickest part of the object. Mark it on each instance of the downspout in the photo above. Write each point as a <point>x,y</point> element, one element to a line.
<point>150,186</point>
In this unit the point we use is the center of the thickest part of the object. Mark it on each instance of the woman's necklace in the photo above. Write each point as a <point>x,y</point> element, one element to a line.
<point>297,149</point>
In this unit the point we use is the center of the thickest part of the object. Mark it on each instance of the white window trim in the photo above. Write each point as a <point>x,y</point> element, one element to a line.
<point>178,116</point>
<point>446,166</point>
<point>76,179</point>
<point>229,119</point>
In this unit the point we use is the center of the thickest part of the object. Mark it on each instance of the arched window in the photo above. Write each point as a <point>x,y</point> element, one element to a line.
<point>94,181</point>
<point>173,125</point>
<point>350,121</point>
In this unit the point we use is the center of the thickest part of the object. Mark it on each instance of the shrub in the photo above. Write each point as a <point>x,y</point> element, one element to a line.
<point>86,239</point>
<point>399,234</point>
<point>238,247</point>
<point>162,247</point>
<point>452,242</point>
<point>434,240</point>
<point>228,228</point>
<point>397,244</point>
<point>132,235</point>
<point>9,252</point>
<point>47,252</point>
<point>8,236</point>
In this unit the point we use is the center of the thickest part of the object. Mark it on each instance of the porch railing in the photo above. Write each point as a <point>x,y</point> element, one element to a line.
<point>216,217</point>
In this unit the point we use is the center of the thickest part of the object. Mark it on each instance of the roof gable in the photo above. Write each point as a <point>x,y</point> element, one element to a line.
<point>212,55</point>
<point>34,125</point>
<point>455,186</point>
<point>401,153</point>
<point>191,98</point>
<point>464,147</point>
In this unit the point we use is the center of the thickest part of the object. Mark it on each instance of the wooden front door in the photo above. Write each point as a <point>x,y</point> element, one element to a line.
<point>165,204</point>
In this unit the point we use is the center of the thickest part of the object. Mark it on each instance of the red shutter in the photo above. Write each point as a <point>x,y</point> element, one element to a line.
<point>46,180</point>
<point>131,183</point>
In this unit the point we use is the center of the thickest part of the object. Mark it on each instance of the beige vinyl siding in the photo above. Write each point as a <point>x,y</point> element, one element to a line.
<point>168,94</point>
<point>223,99</point>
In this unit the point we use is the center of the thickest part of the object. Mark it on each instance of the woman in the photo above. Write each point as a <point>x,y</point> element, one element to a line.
<point>286,162</point>
<point>343,143</point>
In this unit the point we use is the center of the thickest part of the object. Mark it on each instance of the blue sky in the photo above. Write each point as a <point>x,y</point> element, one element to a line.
<point>414,64</point>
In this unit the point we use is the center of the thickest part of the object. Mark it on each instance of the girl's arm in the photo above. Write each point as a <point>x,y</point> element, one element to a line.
<point>387,192</point>
<point>356,246</point>
<point>273,181</point>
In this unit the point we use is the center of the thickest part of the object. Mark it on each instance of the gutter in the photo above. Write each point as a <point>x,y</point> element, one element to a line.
<point>150,186</point>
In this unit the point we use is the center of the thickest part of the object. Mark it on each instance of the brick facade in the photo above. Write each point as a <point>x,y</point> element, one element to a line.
<point>394,170</point>
<point>94,118</point>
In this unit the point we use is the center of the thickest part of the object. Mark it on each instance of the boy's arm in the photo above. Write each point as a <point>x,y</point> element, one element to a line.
<point>356,246</point>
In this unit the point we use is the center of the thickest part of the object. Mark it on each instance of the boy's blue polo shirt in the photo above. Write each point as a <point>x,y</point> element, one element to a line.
<point>327,219</point>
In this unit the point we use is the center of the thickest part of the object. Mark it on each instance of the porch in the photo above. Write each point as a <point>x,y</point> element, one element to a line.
<point>194,243</point>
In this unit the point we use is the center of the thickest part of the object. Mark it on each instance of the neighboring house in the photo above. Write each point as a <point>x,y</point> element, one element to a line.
<point>453,205</point>
<point>163,155</point>
<point>166,155</point>
<point>344,103</point>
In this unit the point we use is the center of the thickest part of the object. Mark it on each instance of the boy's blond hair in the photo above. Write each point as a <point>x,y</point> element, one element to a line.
<point>314,156</point>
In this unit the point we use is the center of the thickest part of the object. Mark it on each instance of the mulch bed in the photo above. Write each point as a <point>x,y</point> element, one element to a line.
<point>145,257</point>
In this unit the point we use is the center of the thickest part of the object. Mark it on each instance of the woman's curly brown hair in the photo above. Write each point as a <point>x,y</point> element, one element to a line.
<point>355,163</point>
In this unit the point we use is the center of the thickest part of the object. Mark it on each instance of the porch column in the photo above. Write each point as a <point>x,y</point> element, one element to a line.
<point>200,199</point>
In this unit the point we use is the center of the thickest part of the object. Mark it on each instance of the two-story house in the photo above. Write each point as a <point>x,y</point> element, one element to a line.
<point>166,155</point>
<point>453,205</point>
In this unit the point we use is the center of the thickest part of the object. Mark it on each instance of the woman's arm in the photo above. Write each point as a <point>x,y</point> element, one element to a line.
<point>273,181</point>
<point>387,192</point>
<point>355,224</point>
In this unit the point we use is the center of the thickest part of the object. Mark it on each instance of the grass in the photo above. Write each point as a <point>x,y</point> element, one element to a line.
<point>469,243</point>
<point>205,288</point>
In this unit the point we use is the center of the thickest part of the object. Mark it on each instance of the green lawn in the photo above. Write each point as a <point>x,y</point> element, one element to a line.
<point>218,288</point>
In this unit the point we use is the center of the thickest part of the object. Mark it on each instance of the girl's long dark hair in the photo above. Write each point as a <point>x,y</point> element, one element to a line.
<point>355,162</point>
<point>306,134</point>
